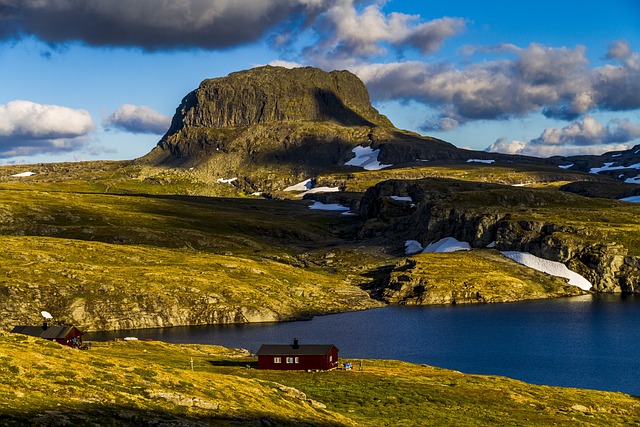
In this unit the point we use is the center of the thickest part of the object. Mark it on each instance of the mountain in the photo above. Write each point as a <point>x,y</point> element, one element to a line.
<point>273,122</point>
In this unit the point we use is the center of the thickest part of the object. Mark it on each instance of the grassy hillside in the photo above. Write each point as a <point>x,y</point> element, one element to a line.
<point>152,383</point>
<point>110,245</point>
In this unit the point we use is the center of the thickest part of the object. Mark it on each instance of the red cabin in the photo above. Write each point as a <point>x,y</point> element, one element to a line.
<point>64,335</point>
<point>298,357</point>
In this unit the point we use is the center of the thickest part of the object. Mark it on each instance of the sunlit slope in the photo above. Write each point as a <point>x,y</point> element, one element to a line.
<point>151,383</point>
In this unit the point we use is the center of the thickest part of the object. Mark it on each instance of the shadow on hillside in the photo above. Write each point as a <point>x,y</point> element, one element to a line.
<point>332,108</point>
<point>132,416</point>
<point>380,276</point>
<point>234,363</point>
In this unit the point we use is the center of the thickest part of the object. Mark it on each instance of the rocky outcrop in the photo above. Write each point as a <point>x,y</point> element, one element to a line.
<point>428,279</point>
<point>483,213</point>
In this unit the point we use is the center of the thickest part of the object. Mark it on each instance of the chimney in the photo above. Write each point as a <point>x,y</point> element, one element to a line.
<point>44,325</point>
<point>295,343</point>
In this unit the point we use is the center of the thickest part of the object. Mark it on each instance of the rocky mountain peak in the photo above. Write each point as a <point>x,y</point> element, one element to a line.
<point>267,121</point>
<point>276,94</point>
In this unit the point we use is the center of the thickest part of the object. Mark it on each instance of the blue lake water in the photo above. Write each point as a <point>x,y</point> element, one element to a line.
<point>587,342</point>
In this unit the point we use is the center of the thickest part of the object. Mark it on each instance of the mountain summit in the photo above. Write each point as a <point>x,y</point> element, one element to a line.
<point>294,121</point>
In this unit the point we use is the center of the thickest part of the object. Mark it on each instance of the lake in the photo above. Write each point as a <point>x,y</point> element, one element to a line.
<point>587,341</point>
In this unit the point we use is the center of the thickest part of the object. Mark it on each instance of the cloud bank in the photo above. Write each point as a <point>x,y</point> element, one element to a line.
<point>553,81</point>
<point>151,24</point>
<point>137,119</point>
<point>28,128</point>
<point>584,136</point>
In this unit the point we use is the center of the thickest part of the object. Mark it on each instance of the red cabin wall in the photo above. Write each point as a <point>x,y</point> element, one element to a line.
<point>74,333</point>
<point>324,362</point>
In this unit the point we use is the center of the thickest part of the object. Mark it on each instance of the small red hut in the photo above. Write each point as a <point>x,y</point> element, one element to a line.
<point>61,334</point>
<point>298,357</point>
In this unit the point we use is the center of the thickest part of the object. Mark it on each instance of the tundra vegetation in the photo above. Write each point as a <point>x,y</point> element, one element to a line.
<point>201,231</point>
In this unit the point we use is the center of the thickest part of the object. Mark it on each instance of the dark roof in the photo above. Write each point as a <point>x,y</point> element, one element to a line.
<point>51,333</point>
<point>288,349</point>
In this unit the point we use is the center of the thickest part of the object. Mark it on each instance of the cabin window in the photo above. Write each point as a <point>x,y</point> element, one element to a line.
<point>277,360</point>
<point>289,359</point>
<point>295,360</point>
<point>330,358</point>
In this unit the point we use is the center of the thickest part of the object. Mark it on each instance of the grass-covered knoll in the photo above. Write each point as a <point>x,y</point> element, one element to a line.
<point>99,286</point>
<point>477,276</point>
<point>148,383</point>
<point>136,384</point>
<point>107,261</point>
<point>123,177</point>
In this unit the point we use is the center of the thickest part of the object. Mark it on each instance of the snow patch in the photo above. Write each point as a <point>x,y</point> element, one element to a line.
<point>606,167</point>
<point>486,162</point>
<point>412,247</point>
<point>519,185</point>
<point>402,198</point>
<point>328,207</point>
<point>301,186</point>
<point>448,244</point>
<point>23,174</point>
<point>566,166</point>
<point>635,180</point>
<point>491,245</point>
<point>226,181</point>
<point>616,155</point>
<point>553,268</point>
<point>634,199</point>
<point>320,190</point>
<point>367,158</point>
<point>609,167</point>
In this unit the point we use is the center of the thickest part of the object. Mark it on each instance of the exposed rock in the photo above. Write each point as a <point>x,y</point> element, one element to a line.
<point>446,208</point>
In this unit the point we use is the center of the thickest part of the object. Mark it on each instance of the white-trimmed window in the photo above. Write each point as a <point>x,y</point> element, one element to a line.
<point>330,358</point>
<point>277,360</point>
<point>289,359</point>
<point>295,360</point>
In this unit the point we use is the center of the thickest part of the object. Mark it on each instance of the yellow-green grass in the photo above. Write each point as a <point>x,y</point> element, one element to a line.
<point>530,176</point>
<point>477,276</point>
<point>98,285</point>
<point>142,383</point>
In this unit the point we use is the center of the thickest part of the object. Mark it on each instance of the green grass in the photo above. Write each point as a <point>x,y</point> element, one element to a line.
<point>133,383</point>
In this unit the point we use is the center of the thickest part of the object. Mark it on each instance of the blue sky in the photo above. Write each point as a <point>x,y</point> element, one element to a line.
<point>84,80</point>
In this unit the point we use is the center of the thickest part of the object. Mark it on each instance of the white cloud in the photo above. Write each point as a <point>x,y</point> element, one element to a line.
<point>137,119</point>
<point>619,49</point>
<point>29,120</point>
<point>28,128</point>
<point>584,136</point>
<point>348,34</point>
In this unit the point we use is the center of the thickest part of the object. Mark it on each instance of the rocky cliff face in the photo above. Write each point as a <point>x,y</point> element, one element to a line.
<point>482,213</point>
